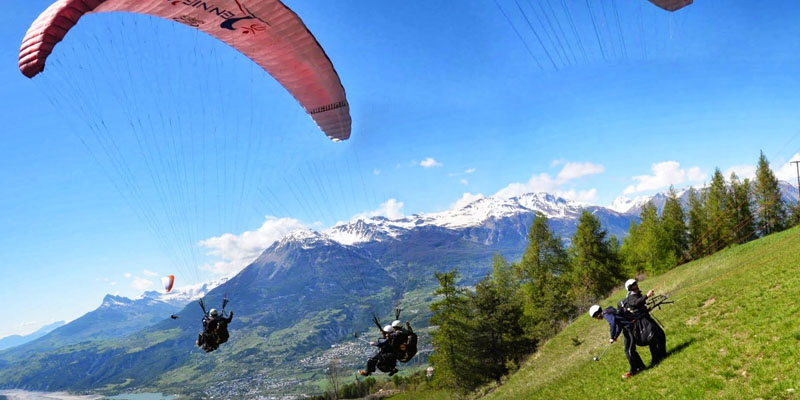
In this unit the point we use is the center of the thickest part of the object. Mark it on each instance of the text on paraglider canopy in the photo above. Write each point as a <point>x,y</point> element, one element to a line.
<point>205,6</point>
<point>328,107</point>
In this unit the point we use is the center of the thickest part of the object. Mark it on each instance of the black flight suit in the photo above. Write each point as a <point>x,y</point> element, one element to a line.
<point>637,303</point>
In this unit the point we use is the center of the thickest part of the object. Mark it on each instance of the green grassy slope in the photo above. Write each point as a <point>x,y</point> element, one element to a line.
<point>733,333</point>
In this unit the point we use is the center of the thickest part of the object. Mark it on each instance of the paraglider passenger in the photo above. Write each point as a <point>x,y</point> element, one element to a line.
<point>385,360</point>
<point>222,328</point>
<point>636,303</point>
<point>618,323</point>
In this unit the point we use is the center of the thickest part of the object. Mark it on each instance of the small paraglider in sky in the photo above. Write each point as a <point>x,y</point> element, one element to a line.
<point>168,281</point>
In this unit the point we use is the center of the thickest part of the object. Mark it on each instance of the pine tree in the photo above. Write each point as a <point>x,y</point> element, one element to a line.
<point>541,272</point>
<point>454,351</point>
<point>698,225</point>
<point>794,216</point>
<point>770,208</point>
<point>744,227</point>
<point>652,246</point>
<point>718,214</point>
<point>674,222</point>
<point>500,336</point>
<point>594,269</point>
<point>632,259</point>
<point>615,254</point>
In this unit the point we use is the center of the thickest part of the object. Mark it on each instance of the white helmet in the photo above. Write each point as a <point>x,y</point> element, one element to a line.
<point>213,312</point>
<point>629,283</point>
<point>396,324</point>
<point>594,310</point>
<point>387,328</point>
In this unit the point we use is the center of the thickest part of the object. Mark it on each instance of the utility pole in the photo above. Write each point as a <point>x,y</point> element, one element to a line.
<point>797,166</point>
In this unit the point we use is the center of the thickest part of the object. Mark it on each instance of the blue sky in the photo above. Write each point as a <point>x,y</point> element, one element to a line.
<point>445,100</point>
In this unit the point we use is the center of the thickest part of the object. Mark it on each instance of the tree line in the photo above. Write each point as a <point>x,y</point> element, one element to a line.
<point>485,332</point>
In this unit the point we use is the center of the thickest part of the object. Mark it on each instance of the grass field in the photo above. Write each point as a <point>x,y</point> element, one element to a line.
<point>733,333</point>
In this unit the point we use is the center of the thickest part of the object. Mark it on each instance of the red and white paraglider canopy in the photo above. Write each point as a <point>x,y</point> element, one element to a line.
<point>266,31</point>
<point>168,281</point>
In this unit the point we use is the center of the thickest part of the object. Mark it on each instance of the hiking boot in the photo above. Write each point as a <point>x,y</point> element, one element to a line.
<point>363,372</point>
<point>626,375</point>
<point>393,371</point>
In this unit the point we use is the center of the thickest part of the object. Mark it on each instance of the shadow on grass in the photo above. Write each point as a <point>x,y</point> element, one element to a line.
<point>677,349</point>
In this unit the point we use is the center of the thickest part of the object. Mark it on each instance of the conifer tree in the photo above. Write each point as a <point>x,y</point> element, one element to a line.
<point>770,208</point>
<point>454,351</point>
<point>615,253</point>
<point>674,221</point>
<point>632,258</point>
<point>794,216</point>
<point>499,335</point>
<point>698,224</point>
<point>542,271</point>
<point>595,271</point>
<point>743,222</point>
<point>718,214</point>
<point>649,249</point>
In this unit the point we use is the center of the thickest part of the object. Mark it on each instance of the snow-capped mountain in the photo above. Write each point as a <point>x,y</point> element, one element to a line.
<point>181,295</point>
<point>307,291</point>
<point>118,316</point>
<point>623,204</point>
<point>633,206</point>
<point>473,214</point>
<point>177,298</point>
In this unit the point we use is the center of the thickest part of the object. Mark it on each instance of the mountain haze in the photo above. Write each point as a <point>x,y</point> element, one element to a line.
<point>16,340</point>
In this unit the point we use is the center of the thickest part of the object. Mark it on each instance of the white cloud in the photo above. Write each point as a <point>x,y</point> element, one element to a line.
<point>127,275</point>
<point>537,183</point>
<point>113,283</point>
<point>464,182</point>
<point>788,171</point>
<point>584,196</point>
<point>376,171</point>
<point>556,163</point>
<point>742,171</point>
<point>429,163</point>
<point>149,273</point>
<point>140,283</point>
<point>695,174</point>
<point>465,199</point>
<point>545,183</point>
<point>664,174</point>
<point>469,170</point>
<point>572,171</point>
<point>236,251</point>
<point>391,208</point>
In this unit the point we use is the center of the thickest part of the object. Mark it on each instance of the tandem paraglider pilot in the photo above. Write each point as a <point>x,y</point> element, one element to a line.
<point>646,330</point>
<point>619,323</point>
<point>637,326</point>
<point>215,327</point>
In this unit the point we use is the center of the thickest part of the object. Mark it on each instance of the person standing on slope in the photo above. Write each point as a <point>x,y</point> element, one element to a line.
<point>618,323</point>
<point>636,305</point>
